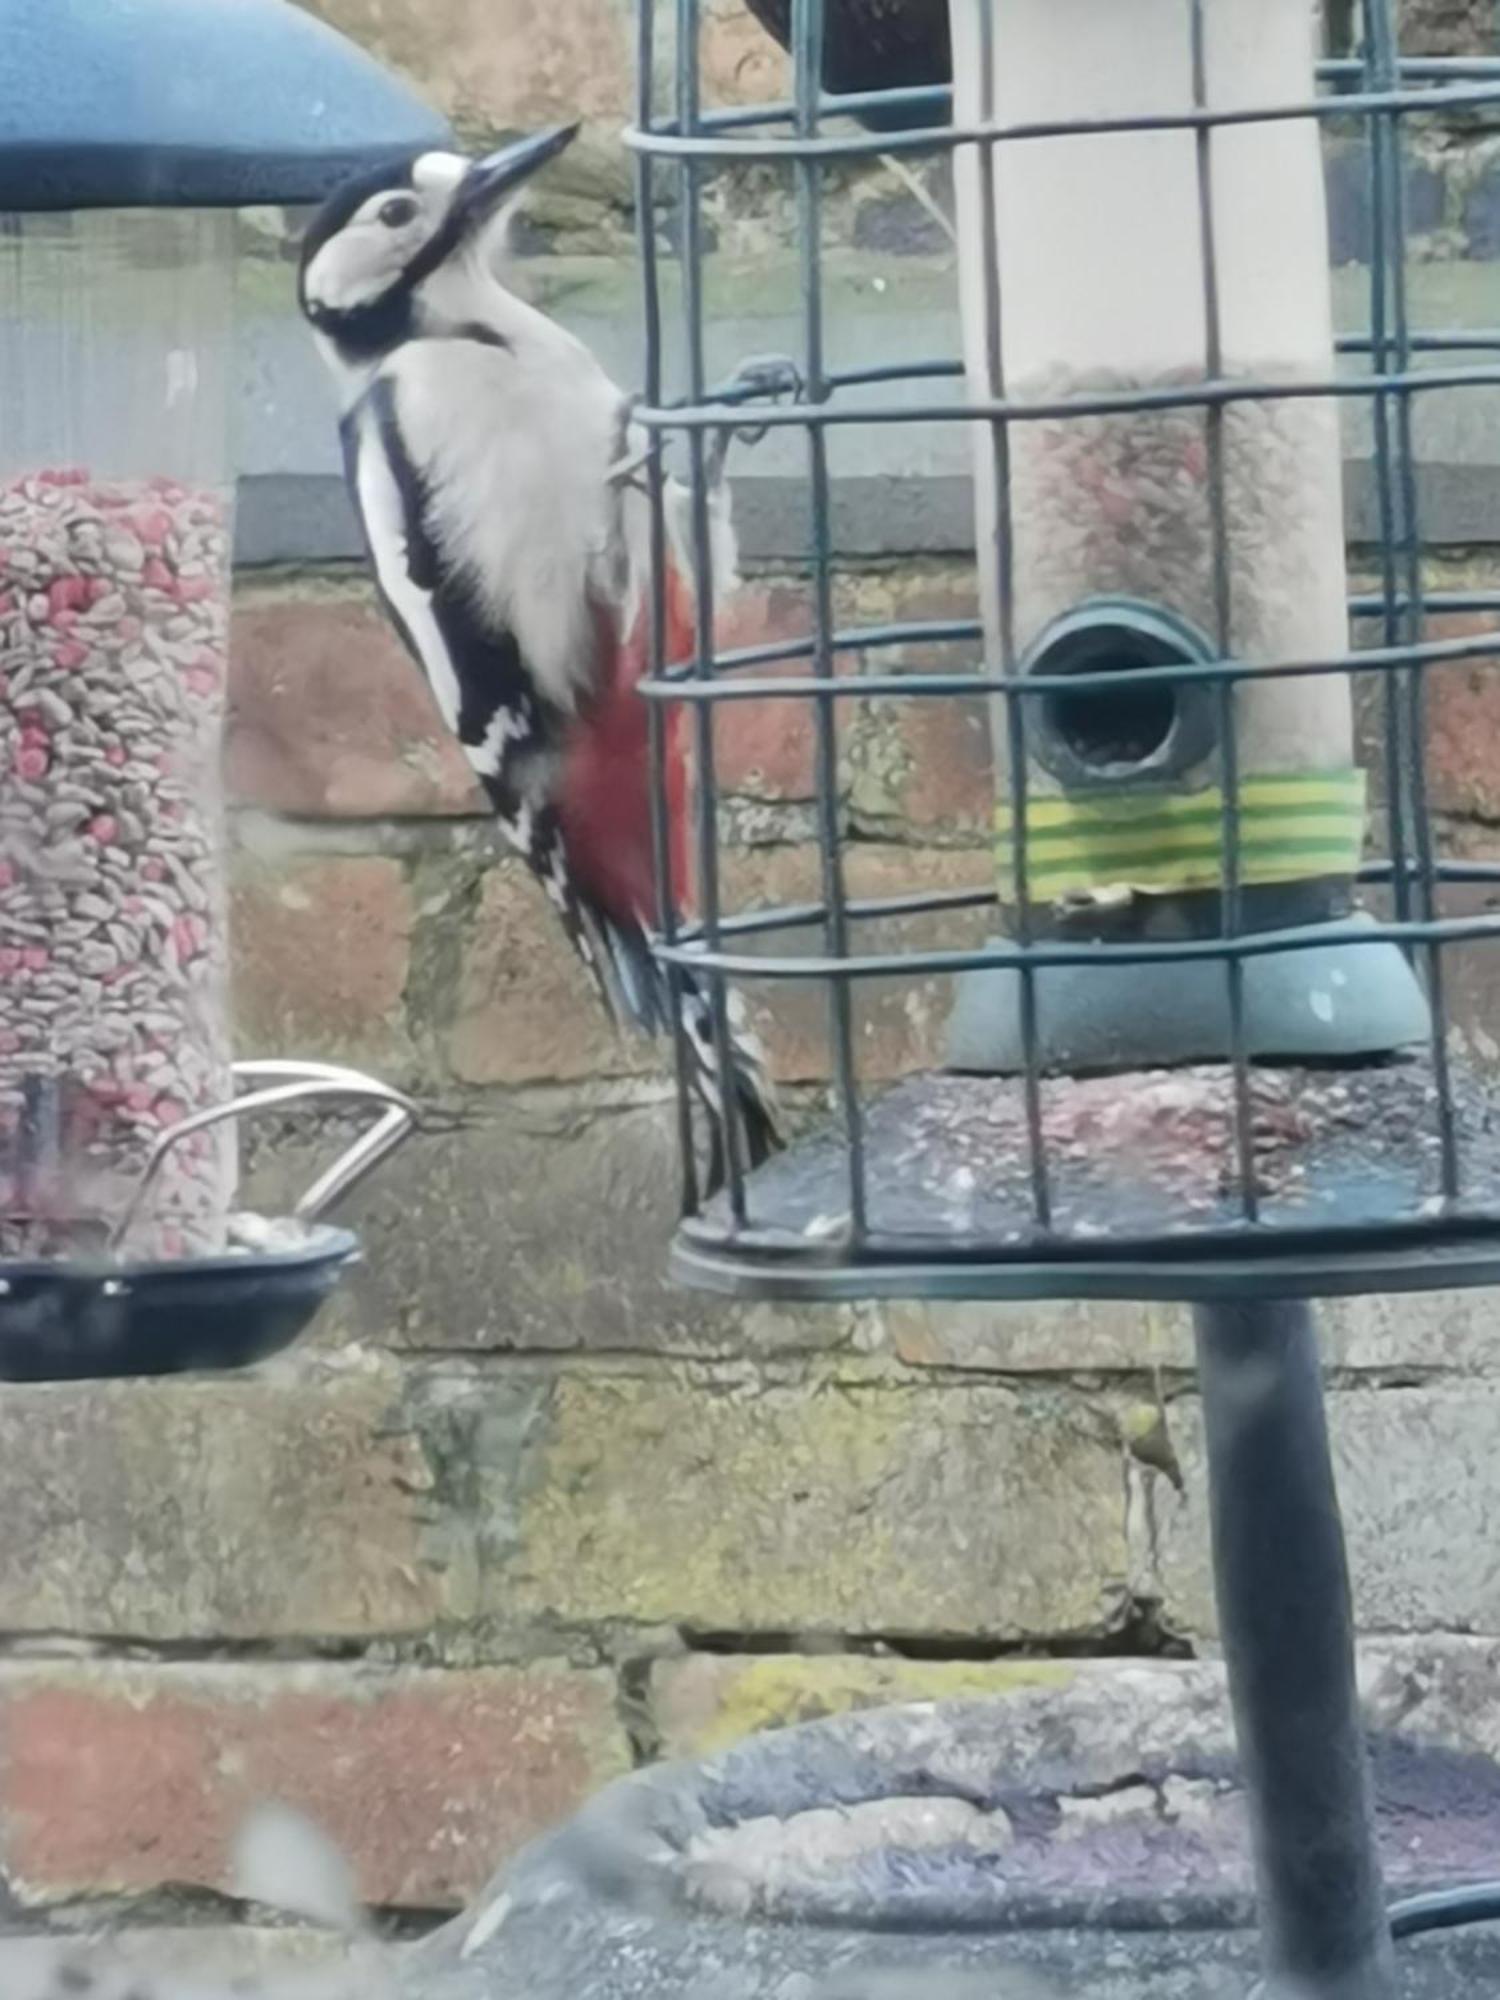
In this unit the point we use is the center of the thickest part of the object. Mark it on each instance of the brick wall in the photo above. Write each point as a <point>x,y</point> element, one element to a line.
<point>519,1514</point>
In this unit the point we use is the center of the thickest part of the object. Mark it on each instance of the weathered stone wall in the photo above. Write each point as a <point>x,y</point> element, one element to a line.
<point>494,67</point>
<point>1449,27</point>
<point>521,1514</point>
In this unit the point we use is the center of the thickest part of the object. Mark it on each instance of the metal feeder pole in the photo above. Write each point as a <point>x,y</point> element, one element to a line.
<point>1282,1582</point>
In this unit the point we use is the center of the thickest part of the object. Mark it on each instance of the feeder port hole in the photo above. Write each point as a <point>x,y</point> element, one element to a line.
<point>1115,728</point>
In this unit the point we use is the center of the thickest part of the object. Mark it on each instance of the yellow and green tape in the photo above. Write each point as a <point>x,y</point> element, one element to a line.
<point>1293,826</point>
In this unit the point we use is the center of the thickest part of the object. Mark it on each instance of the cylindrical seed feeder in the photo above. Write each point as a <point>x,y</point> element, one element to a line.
<point>130,131</point>
<point>1141,535</point>
<point>115,497</point>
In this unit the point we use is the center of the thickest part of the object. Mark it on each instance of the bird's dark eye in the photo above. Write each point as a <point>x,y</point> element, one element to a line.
<point>398,211</point>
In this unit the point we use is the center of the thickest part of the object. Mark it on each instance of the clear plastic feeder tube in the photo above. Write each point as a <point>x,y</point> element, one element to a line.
<point>1104,286</point>
<point>115,494</point>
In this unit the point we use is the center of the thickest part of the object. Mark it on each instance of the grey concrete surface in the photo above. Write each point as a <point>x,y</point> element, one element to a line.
<point>879,310</point>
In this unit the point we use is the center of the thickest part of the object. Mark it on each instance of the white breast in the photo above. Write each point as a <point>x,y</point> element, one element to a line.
<point>515,444</point>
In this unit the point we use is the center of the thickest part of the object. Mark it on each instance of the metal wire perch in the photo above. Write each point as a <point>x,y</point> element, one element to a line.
<point>120,1314</point>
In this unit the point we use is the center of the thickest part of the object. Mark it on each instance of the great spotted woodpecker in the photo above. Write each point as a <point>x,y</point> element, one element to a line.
<point>491,461</point>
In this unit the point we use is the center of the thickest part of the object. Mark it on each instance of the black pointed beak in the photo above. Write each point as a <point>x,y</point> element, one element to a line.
<point>491,179</point>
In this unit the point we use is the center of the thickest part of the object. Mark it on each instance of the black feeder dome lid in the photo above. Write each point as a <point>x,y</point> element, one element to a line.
<point>191,104</point>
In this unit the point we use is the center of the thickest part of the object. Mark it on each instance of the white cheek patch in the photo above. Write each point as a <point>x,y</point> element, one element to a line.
<point>352,268</point>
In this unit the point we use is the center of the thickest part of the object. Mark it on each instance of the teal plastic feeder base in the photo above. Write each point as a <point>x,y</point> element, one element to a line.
<point>1338,1001</point>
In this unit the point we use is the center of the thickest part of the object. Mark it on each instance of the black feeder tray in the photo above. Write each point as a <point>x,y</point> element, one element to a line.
<point>1348,1167</point>
<point>110,1317</point>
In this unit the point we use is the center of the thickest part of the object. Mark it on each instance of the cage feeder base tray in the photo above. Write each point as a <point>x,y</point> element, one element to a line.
<point>1143,1186</point>
<point>70,1322</point>
<point>1082,1837</point>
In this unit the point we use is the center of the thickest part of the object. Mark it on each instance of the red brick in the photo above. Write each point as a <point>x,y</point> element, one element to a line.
<point>525,1011</point>
<point>952,781</point>
<point>927,764</point>
<point>321,954</point>
<point>1471,991</point>
<point>1463,724</point>
<point>763,749</point>
<point>121,1779</point>
<point>938,769</point>
<point>898,1022</point>
<point>329,717</point>
<point>525,1014</point>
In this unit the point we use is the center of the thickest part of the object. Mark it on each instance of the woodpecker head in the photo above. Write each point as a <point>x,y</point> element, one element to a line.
<point>377,240</point>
